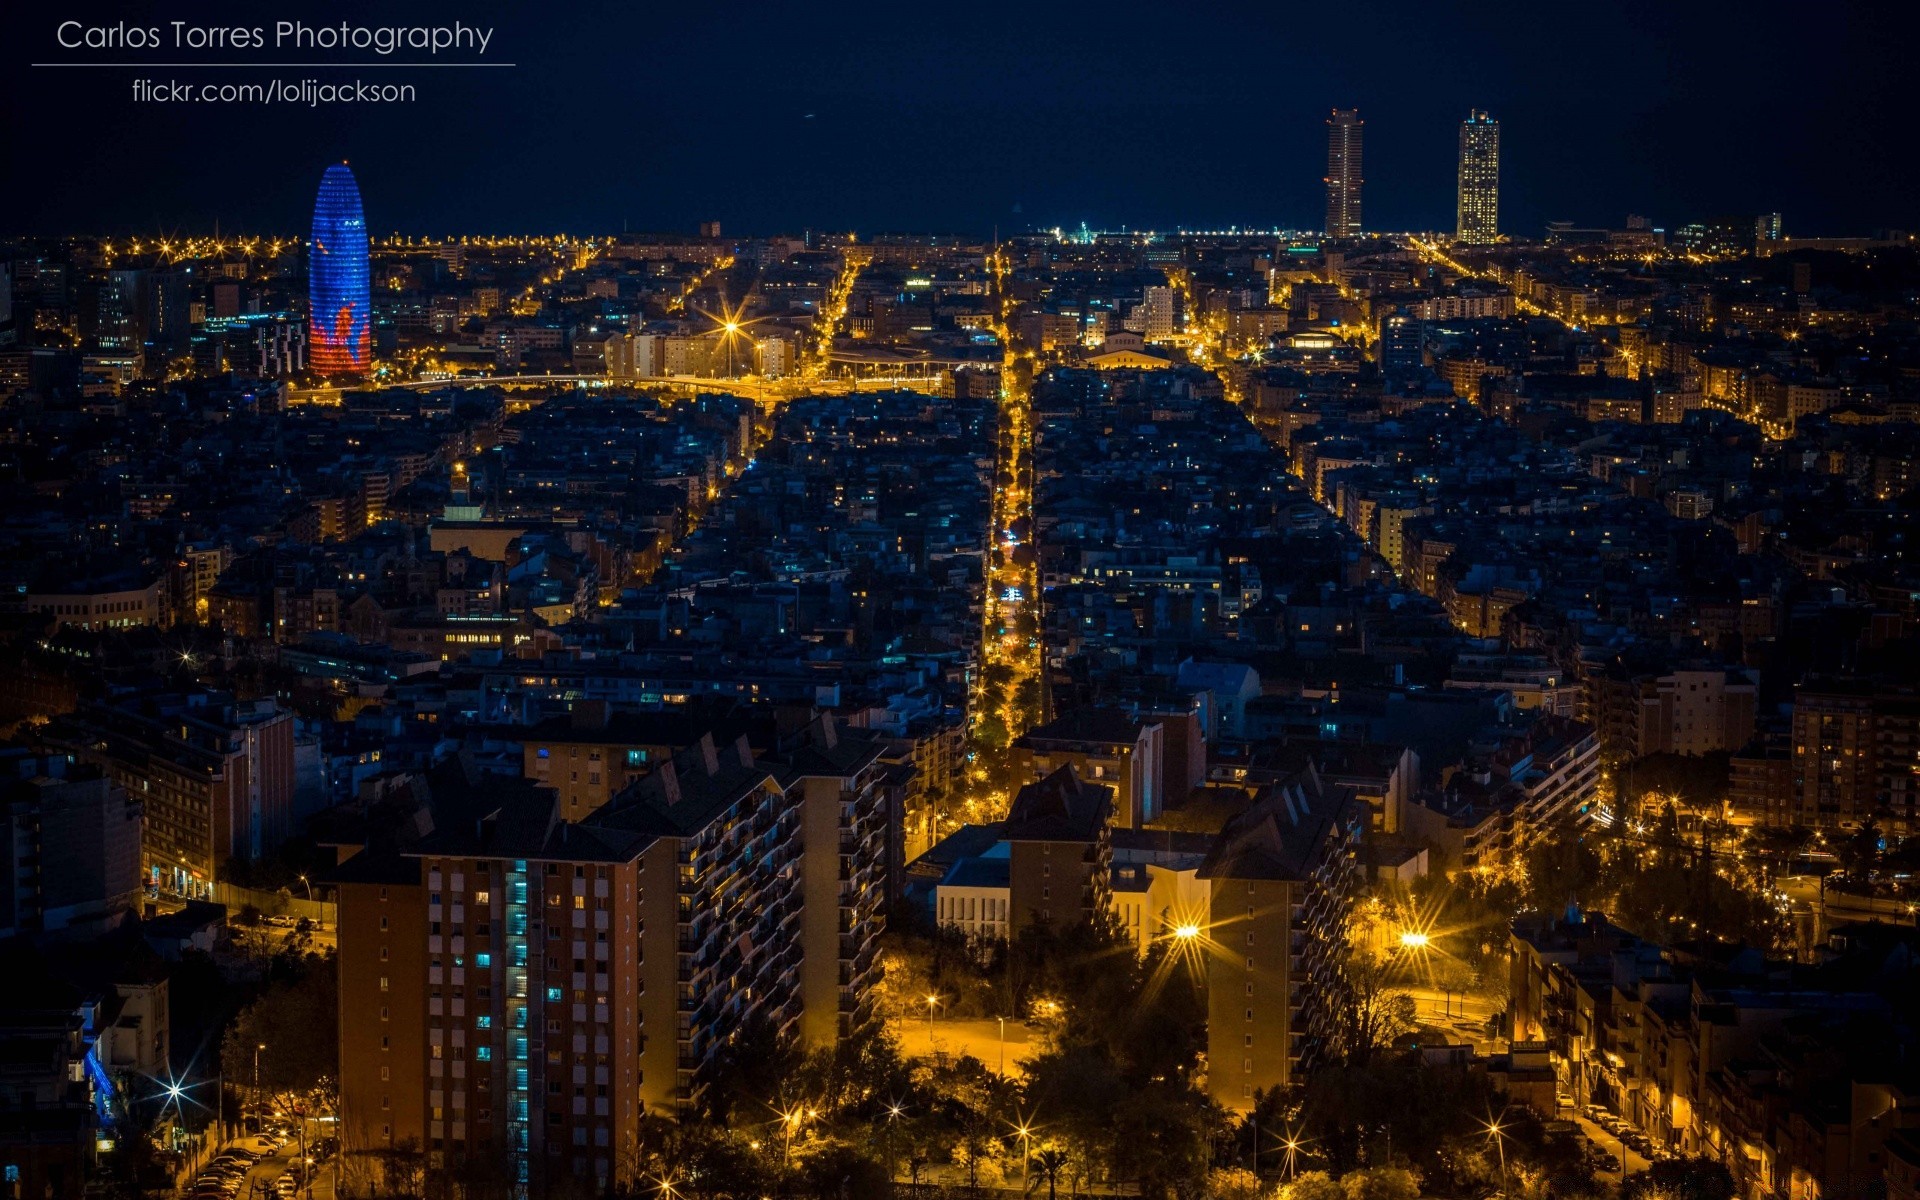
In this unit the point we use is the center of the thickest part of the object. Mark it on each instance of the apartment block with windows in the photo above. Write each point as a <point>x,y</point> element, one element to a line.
<point>578,975</point>
<point>1282,876</point>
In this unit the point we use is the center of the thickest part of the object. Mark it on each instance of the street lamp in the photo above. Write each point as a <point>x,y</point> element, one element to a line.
<point>789,1122</point>
<point>893,1114</point>
<point>1498,1134</point>
<point>309,883</point>
<point>1414,939</point>
<point>933,1002</point>
<point>1025,1132</point>
<point>257,1048</point>
<point>1003,1044</point>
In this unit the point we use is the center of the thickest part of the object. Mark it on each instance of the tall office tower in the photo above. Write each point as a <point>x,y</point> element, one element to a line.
<point>1766,228</point>
<point>1343,173</point>
<point>340,296</point>
<point>1479,206</point>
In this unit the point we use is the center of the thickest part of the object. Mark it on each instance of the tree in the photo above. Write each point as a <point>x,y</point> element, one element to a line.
<point>991,732</point>
<point>291,1035</point>
<point>1232,1183</point>
<point>1370,1014</point>
<point>752,1073</point>
<point>1380,1183</point>
<point>833,1169</point>
<point>1048,1163</point>
<point>403,1169</point>
<point>1314,1185</point>
<point>1860,854</point>
<point>1681,1179</point>
<point>1560,867</point>
<point>1163,1133</point>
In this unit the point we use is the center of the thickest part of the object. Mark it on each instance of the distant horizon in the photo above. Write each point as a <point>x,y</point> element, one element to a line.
<point>866,116</point>
<point>690,233</point>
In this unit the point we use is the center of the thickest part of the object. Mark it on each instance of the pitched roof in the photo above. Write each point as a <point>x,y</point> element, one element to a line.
<point>1281,835</point>
<point>1109,725</point>
<point>1059,808</point>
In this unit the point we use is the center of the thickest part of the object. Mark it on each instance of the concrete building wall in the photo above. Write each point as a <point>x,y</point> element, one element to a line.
<point>383,968</point>
<point>820,883</point>
<point>1250,983</point>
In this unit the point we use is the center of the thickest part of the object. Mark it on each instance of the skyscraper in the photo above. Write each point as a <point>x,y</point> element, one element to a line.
<point>341,300</point>
<point>1343,173</point>
<point>1479,205</point>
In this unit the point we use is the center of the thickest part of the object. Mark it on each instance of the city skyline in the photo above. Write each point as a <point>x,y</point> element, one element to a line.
<point>1023,136</point>
<point>660,602</point>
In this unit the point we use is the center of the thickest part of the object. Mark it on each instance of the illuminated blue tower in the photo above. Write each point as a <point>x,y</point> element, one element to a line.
<point>340,338</point>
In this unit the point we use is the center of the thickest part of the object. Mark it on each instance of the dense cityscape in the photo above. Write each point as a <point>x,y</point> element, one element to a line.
<point>596,714</point>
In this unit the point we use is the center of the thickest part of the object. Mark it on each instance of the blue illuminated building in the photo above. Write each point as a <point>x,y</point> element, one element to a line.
<point>341,332</point>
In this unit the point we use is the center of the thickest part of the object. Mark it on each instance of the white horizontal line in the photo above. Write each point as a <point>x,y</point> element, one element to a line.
<point>243,66</point>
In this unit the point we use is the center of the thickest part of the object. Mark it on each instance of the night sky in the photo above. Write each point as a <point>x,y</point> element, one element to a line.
<point>914,116</point>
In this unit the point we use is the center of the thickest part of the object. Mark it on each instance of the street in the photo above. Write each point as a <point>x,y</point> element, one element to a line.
<point>259,1181</point>
<point>1611,1148</point>
<point>981,1039</point>
<point>1463,1015</point>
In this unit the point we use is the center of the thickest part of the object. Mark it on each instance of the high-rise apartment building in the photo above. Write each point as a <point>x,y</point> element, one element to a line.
<point>519,989</point>
<point>1479,192</point>
<point>1343,173</point>
<point>1855,749</point>
<point>340,293</point>
<point>1281,878</point>
<point>1158,301</point>
<point>1402,342</point>
<point>1059,853</point>
<point>1103,745</point>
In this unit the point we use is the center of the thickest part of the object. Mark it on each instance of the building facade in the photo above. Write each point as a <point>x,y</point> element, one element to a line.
<point>1478,222</point>
<point>1343,178</point>
<point>340,318</point>
<point>1281,879</point>
<point>578,975</point>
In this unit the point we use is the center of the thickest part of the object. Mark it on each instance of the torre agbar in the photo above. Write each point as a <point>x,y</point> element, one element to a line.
<point>341,299</point>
